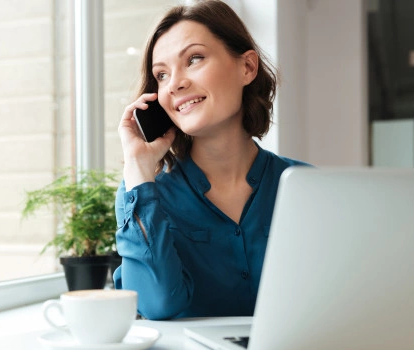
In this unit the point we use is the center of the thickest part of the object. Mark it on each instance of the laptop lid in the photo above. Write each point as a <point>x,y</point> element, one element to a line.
<point>339,267</point>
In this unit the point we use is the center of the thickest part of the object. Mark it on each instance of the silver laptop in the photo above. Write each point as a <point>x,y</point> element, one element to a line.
<point>339,266</point>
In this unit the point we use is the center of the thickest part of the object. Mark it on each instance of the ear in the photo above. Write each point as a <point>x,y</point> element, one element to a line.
<point>250,61</point>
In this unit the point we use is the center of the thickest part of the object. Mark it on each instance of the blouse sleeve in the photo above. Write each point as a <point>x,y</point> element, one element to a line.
<point>150,266</point>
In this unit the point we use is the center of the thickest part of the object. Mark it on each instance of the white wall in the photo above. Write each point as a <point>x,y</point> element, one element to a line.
<point>322,105</point>
<point>337,83</point>
<point>292,116</point>
<point>260,18</point>
<point>393,143</point>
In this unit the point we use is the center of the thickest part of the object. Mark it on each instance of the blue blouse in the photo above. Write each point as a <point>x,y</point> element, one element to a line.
<point>196,261</point>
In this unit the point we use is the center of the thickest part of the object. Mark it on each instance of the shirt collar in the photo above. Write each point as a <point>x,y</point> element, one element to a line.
<point>255,173</point>
<point>200,182</point>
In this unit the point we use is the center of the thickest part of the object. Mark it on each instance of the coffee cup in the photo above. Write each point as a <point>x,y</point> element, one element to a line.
<point>98,316</point>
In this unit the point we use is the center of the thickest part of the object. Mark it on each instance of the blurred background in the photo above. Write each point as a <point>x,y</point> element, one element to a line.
<point>346,99</point>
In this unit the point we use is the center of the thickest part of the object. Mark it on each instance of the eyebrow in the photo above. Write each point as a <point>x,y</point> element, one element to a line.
<point>180,54</point>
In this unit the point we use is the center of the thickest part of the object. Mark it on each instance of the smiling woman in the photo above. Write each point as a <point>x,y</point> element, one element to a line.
<point>202,257</point>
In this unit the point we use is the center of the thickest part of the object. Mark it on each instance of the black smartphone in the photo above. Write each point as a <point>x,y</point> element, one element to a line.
<point>153,122</point>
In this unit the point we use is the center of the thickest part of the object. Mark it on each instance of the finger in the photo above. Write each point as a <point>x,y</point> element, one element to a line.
<point>140,103</point>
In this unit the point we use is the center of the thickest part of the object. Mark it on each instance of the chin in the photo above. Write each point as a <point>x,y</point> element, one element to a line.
<point>192,131</point>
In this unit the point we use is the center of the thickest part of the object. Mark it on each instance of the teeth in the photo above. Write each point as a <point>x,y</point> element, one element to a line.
<point>186,104</point>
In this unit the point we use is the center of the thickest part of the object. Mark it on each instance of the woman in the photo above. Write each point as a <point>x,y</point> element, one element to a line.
<point>195,206</point>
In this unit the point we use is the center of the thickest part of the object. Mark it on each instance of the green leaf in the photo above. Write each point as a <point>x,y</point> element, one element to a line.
<point>86,209</point>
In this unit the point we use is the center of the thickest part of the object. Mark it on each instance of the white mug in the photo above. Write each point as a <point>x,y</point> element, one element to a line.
<point>98,316</point>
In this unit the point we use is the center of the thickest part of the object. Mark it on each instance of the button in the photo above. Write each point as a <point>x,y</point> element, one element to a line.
<point>203,184</point>
<point>252,180</point>
<point>237,231</point>
<point>131,199</point>
<point>245,275</point>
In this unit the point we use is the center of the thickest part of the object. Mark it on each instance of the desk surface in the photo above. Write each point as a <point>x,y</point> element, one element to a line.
<point>24,334</point>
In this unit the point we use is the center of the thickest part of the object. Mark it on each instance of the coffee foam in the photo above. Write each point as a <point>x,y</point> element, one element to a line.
<point>100,294</point>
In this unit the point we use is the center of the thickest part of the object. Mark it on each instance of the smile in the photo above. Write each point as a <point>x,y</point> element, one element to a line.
<point>186,104</point>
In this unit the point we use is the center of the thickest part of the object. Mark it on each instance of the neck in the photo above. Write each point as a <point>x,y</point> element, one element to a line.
<point>228,159</point>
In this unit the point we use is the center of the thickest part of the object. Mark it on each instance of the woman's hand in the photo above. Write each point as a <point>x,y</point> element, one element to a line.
<point>140,157</point>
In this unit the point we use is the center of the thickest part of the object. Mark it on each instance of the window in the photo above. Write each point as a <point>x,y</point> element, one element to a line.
<point>391,82</point>
<point>36,112</point>
<point>35,135</point>
<point>391,59</point>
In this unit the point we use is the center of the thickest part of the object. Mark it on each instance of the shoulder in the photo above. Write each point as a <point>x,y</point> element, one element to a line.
<point>292,162</point>
<point>280,162</point>
<point>165,177</point>
<point>172,182</point>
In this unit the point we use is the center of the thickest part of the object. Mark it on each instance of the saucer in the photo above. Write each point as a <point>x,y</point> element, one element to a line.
<point>137,338</point>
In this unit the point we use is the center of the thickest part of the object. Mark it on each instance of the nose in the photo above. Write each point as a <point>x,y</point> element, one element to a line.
<point>178,82</point>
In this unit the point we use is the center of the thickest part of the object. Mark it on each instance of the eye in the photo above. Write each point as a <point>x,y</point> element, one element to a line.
<point>194,59</point>
<point>160,76</point>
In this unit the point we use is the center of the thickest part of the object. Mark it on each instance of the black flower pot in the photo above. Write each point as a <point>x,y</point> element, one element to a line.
<point>86,272</point>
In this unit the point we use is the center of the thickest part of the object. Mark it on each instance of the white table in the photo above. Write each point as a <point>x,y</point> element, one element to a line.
<point>20,328</point>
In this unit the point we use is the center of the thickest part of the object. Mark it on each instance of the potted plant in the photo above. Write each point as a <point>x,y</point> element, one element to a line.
<point>85,241</point>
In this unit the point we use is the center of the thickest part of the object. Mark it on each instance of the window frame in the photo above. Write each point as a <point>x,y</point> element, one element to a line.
<point>24,291</point>
<point>88,17</point>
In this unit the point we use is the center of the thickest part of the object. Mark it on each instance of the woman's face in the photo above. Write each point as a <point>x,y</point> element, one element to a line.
<point>200,84</point>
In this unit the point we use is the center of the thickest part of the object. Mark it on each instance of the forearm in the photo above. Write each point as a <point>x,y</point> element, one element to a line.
<point>151,265</point>
<point>161,294</point>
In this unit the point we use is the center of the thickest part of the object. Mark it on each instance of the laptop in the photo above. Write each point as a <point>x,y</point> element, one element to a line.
<point>339,266</point>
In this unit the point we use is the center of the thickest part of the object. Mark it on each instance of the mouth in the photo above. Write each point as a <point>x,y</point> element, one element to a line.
<point>190,102</point>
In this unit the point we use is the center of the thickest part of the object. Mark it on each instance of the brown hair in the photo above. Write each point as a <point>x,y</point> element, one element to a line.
<point>224,23</point>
